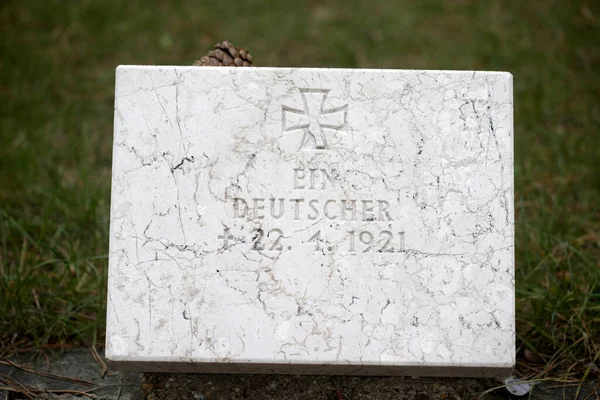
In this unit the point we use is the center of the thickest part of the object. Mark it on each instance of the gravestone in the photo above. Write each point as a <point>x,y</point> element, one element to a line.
<point>319,221</point>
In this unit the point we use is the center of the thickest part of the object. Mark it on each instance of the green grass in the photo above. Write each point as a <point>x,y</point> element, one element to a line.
<point>57,62</point>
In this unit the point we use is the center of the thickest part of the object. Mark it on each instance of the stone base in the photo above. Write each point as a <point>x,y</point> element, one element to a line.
<point>307,369</point>
<point>277,387</point>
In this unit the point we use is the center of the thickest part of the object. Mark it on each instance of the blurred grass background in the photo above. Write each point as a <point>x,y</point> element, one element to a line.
<point>57,68</point>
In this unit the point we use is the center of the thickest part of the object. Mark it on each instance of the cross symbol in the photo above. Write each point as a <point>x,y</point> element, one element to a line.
<point>226,237</point>
<point>313,119</point>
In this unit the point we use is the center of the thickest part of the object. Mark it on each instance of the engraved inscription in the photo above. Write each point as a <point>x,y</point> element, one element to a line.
<point>257,237</point>
<point>317,240</point>
<point>313,209</point>
<point>385,243</point>
<point>273,237</point>
<point>276,235</point>
<point>305,207</point>
<point>313,119</point>
<point>226,237</point>
<point>312,178</point>
<point>356,241</point>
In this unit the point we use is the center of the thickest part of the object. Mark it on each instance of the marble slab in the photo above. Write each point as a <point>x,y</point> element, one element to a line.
<point>319,221</point>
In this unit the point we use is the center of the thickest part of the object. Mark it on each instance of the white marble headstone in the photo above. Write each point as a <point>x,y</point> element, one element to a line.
<point>312,221</point>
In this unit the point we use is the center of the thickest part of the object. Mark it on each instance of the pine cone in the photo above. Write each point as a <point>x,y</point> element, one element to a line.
<point>226,55</point>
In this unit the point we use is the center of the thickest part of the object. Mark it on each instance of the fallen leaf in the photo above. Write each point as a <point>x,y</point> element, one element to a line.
<point>147,387</point>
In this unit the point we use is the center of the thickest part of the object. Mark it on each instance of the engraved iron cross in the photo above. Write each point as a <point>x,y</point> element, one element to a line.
<point>313,119</point>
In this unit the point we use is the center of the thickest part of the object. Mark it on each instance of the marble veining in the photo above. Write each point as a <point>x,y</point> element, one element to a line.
<point>312,221</point>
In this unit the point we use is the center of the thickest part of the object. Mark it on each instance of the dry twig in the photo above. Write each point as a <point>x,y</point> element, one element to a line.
<point>99,360</point>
